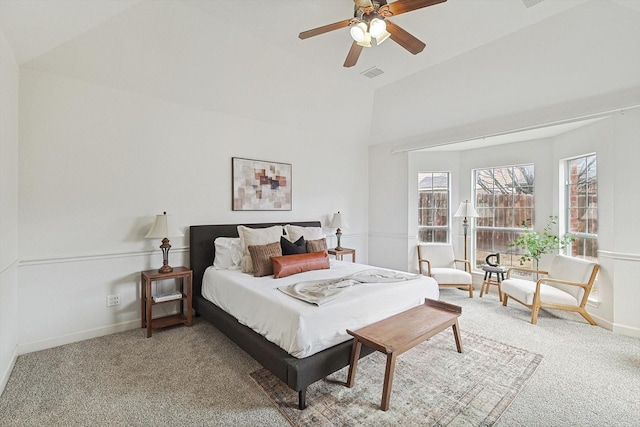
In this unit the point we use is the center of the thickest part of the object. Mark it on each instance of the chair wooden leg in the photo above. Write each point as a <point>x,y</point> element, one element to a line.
<point>534,315</point>
<point>587,316</point>
<point>470,291</point>
<point>505,297</point>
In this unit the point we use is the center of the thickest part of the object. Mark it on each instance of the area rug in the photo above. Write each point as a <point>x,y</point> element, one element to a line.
<point>433,385</point>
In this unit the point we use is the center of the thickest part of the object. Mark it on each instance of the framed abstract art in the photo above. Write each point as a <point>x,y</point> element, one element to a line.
<point>260,185</point>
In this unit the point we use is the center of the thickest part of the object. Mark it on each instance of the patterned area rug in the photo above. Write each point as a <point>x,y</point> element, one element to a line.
<point>433,385</point>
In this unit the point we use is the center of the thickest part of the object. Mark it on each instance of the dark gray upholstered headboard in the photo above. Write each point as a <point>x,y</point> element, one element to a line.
<point>201,249</point>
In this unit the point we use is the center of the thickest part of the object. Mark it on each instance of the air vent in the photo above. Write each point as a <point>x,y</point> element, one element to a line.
<point>372,72</point>
<point>529,3</point>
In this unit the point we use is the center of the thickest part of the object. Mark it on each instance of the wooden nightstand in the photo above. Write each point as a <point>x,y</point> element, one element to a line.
<point>344,251</point>
<point>148,277</point>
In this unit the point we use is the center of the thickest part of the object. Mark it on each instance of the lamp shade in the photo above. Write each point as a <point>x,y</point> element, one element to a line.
<point>358,32</point>
<point>377,27</point>
<point>338,221</point>
<point>466,210</point>
<point>382,37</point>
<point>164,226</point>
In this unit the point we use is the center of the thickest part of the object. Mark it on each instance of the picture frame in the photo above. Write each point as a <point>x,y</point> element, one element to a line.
<point>260,185</point>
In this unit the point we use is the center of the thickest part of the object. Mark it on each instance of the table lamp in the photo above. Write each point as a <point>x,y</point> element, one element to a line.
<point>164,227</point>
<point>338,221</point>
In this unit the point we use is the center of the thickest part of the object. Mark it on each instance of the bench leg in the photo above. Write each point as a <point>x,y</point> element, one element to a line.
<point>388,381</point>
<point>456,335</point>
<point>355,356</point>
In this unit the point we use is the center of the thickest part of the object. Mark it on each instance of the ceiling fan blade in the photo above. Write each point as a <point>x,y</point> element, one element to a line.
<point>404,39</point>
<point>353,55</point>
<point>324,29</point>
<point>403,6</point>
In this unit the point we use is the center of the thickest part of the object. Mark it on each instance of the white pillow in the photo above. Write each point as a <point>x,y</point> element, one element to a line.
<point>256,236</point>
<point>294,232</point>
<point>228,253</point>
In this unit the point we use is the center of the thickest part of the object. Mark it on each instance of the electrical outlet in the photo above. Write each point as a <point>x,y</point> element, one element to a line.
<point>113,300</point>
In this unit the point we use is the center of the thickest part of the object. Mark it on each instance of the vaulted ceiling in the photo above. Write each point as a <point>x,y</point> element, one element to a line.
<point>483,60</point>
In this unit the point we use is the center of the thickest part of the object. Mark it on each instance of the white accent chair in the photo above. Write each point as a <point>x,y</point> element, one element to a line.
<point>566,286</point>
<point>441,265</point>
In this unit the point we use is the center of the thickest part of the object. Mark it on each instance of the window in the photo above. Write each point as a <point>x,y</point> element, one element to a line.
<point>581,201</point>
<point>433,207</point>
<point>505,204</point>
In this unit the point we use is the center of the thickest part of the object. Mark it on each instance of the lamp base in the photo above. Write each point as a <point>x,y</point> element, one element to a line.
<point>338,235</point>
<point>165,269</point>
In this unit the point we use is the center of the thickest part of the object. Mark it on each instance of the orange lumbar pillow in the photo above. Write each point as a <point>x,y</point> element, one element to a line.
<point>287,265</point>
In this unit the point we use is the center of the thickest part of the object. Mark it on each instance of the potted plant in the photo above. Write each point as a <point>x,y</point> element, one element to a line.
<point>537,244</point>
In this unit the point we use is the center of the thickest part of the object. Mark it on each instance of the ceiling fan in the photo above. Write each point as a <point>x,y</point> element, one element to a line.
<point>371,21</point>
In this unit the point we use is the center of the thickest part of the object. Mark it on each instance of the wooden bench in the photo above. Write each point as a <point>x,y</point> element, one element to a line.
<point>401,332</point>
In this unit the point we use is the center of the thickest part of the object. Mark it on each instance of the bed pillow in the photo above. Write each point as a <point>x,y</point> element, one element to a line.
<point>284,266</point>
<point>261,258</point>
<point>317,245</point>
<point>256,236</point>
<point>294,232</point>
<point>292,248</point>
<point>228,253</point>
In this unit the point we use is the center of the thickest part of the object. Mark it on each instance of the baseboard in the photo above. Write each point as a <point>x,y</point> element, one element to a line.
<point>617,328</point>
<point>7,372</point>
<point>603,323</point>
<point>77,336</point>
<point>628,331</point>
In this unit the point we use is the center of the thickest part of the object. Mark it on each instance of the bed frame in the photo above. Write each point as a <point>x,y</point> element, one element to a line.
<point>296,373</point>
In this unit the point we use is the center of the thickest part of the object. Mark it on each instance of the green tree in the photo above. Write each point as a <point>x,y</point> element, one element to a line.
<point>536,244</point>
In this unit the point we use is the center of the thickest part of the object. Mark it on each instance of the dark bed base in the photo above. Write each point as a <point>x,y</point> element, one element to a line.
<point>296,373</point>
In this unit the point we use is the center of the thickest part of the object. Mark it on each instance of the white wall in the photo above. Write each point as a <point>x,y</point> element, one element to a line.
<point>613,139</point>
<point>97,164</point>
<point>9,84</point>
<point>388,208</point>
<point>626,202</point>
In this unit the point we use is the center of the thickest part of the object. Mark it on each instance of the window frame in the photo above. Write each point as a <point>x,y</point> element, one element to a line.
<point>513,231</point>
<point>425,228</point>
<point>590,206</point>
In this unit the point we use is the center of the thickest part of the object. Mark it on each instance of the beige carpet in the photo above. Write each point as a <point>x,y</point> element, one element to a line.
<point>433,385</point>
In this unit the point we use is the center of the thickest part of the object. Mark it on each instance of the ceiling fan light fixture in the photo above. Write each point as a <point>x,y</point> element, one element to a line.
<point>359,32</point>
<point>366,42</point>
<point>377,27</point>
<point>382,37</point>
<point>369,21</point>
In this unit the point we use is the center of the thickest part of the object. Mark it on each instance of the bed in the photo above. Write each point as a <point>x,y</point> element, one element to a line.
<point>296,372</point>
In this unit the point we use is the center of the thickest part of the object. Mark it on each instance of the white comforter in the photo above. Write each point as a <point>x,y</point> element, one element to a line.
<point>303,329</point>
